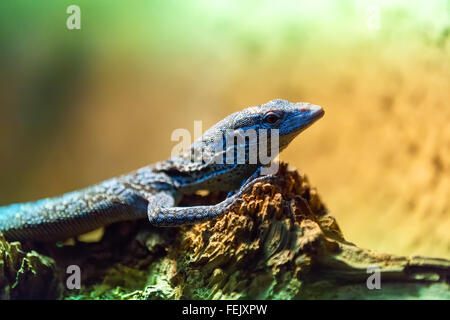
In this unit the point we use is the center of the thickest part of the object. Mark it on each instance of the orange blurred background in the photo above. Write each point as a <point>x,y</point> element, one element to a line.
<point>80,106</point>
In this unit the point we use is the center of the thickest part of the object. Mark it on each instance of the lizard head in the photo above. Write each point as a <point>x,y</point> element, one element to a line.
<point>285,118</point>
<point>288,118</point>
<point>240,138</point>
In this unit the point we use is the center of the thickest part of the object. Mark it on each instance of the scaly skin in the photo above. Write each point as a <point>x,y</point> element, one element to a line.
<point>154,191</point>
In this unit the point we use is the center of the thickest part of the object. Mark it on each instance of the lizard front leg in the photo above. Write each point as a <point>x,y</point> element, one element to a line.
<point>173,216</point>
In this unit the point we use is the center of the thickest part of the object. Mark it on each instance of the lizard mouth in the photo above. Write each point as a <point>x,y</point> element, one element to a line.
<point>316,112</point>
<point>317,115</point>
<point>299,122</point>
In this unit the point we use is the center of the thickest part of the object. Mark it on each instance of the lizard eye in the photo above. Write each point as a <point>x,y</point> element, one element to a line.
<point>272,117</point>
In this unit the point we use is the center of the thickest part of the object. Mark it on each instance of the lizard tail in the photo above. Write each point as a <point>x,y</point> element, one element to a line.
<point>66,216</point>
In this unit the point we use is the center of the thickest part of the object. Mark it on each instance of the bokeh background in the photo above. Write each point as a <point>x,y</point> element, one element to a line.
<point>80,106</point>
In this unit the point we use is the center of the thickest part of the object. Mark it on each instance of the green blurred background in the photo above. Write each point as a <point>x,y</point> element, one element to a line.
<point>80,106</point>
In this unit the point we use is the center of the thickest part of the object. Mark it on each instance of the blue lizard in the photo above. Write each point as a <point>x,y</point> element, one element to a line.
<point>155,190</point>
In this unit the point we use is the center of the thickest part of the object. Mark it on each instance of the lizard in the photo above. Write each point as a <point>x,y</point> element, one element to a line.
<point>154,191</point>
